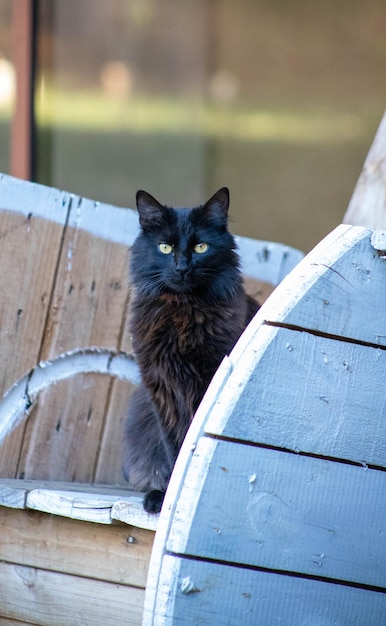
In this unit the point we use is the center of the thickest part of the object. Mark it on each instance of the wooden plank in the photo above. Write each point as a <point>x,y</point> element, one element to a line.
<point>233,596</point>
<point>82,506</point>
<point>26,234</point>
<point>22,309</point>
<point>368,204</point>
<point>337,289</point>
<point>13,496</point>
<point>267,260</point>
<point>101,504</point>
<point>306,393</point>
<point>48,598</point>
<point>63,430</point>
<point>110,457</point>
<point>90,295</point>
<point>35,243</point>
<point>88,309</point>
<point>12,622</point>
<point>258,289</point>
<point>282,511</point>
<point>73,547</point>
<point>93,507</point>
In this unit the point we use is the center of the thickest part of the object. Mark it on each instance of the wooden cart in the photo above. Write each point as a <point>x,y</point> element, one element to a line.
<point>276,509</point>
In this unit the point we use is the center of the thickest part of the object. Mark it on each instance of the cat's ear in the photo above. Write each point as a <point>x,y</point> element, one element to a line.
<point>151,212</point>
<point>217,206</point>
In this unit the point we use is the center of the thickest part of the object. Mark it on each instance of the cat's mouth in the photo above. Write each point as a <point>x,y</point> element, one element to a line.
<point>182,284</point>
<point>182,287</point>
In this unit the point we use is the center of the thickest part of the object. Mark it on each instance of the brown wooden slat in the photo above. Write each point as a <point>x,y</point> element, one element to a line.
<point>75,547</point>
<point>28,254</point>
<point>88,309</point>
<point>90,295</point>
<point>109,466</point>
<point>49,598</point>
<point>64,429</point>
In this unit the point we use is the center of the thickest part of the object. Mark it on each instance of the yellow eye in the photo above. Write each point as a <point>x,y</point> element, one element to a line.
<point>165,248</point>
<point>201,247</point>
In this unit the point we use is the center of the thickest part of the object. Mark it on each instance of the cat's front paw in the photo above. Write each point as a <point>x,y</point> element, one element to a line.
<point>152,501</point>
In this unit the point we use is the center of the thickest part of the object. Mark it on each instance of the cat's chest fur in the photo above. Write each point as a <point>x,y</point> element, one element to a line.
<point>187,329</point>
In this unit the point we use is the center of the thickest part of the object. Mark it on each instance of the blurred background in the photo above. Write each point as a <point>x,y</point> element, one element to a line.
<point>277,99</point>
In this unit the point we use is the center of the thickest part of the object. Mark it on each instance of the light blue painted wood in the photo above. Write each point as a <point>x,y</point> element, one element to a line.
<point>307,393</point>
<point>339,288</point>
<point>282,511</point>
<point>266,260</point>
<point>232,596</point>
<point>101,220</point>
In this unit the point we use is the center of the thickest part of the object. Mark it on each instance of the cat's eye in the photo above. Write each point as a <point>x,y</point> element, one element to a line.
<point>201,247</point>
<point>165,248</point>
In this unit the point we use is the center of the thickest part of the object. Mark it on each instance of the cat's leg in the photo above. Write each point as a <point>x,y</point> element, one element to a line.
<point>148,454</point>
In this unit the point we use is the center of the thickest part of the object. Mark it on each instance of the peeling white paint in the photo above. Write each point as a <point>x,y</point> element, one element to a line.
<point>17,401</point>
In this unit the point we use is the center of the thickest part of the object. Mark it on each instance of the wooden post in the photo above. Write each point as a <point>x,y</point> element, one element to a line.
<point>22,124</point>
<point>368,204</point>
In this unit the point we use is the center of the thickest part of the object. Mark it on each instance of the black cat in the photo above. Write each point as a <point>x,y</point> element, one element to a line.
<point>188,309</point>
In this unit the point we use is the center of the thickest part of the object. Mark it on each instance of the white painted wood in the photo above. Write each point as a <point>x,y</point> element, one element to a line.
<point>131,511</point>
<point>16,401</point>
<point>368,204</point>
<point>87,507</point>
<point>19,196</point>
<point>171,502</point>
<point>101,504</point>
<point>12,496</point>
<point>235,596</point>
<point>378,241</point>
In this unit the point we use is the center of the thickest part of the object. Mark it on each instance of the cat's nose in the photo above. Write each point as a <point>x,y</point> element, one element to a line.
<point>182,267</point>
<point>182,271</point>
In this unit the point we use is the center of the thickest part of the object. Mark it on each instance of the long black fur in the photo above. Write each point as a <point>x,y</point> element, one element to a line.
<point>187,312</point>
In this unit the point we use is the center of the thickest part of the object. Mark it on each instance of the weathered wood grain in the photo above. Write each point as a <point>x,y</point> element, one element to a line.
<point>62,434</point>
<point>327,291</point>
<point>90,294</point>
<point>233,596</point>
<point>101,504</point>
<point>306,393</point>
<point>110,454</point>
<point>12,622</point>
<point>287,512</point>
<point>368,204</point>
<point>117,553</point>
<point>267,261</point>
<point>47,598</point>
<point>88,308</point>
<point>35,244</point>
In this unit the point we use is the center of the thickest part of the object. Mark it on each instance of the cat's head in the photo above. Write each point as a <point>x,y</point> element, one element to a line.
<point>185,251</point>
